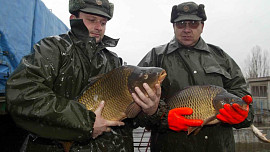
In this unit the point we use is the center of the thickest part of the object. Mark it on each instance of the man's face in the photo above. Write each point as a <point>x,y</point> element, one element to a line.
<point>188,32</point>
<point>96,25</point>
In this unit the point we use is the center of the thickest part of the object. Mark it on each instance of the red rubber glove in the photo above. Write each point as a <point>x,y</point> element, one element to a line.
<point>234,114</point>
<point>178,122</point>
<point>247,99</point>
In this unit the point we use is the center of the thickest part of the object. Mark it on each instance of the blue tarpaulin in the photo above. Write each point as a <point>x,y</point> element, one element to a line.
<point>22,24</point>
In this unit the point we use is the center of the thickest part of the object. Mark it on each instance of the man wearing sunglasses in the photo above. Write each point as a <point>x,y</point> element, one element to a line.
<point>189,61</point>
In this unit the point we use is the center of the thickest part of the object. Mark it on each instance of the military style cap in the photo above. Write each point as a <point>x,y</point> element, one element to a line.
<point>98,7</point>
<point>188,11</point>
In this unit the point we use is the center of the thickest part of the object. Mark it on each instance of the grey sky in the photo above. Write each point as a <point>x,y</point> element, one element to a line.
<point>234,25</point>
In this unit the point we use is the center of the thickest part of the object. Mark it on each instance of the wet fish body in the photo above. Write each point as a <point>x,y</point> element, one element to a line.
<point>115,88</point>
<point>206,101</point>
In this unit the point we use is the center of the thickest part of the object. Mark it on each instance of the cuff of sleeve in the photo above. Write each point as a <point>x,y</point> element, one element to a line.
<point>92,118</point>
<point>153,122</point>
<point>164,111</point>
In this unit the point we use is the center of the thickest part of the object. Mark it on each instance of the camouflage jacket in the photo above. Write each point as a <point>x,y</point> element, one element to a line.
<point>202,64</point>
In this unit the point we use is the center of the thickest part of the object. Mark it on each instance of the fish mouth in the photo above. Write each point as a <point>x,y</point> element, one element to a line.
<point>162,76</point>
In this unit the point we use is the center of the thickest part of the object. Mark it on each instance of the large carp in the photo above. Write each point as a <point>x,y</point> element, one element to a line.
<point>206,100</point>
<point>115,88</point>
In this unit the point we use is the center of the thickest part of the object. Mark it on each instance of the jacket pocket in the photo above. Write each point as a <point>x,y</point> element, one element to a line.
<point>211,65</point>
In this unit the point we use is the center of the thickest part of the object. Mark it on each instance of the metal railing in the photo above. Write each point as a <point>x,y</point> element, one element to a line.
<point>141,140</point>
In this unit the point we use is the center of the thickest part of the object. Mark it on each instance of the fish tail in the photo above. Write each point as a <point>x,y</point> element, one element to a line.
<point>259,134</point>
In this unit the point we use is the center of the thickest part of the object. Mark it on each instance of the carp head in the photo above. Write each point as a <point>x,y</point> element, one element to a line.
<point>225,97</point>
<point>149,75</point>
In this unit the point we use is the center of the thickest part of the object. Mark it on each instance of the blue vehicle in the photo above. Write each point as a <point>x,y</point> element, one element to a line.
<point>22,24</point>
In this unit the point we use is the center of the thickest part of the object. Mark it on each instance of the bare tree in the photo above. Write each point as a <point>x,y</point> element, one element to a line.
<point>257,65</point>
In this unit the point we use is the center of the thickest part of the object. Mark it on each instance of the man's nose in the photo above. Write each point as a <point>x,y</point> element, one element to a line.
<point>187,28</point>
<point>98,26</point>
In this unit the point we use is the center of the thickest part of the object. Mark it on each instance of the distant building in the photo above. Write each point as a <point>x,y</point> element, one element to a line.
<point>260,90</point>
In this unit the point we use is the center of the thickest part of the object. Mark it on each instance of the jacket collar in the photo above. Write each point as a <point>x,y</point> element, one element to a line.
<point>79,30</point>
<point>174,45</point>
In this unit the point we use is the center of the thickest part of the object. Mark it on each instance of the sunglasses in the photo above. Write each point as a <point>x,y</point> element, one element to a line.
<point>191,24</point>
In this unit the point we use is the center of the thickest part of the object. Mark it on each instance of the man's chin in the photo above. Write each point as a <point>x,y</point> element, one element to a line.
<point>187,43</point>
<point>98,39</point>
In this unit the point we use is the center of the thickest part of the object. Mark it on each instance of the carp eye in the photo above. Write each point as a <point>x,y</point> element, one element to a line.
<point>145,76</point>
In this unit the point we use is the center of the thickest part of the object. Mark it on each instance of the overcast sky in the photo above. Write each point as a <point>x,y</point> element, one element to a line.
<point>234,25</point>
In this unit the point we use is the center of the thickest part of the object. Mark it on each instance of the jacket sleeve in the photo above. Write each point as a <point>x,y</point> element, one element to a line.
<point>34,105</point>
<point>237,85</point>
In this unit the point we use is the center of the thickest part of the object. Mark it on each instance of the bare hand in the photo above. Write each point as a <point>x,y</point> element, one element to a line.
<point>102,125</point>
<point>149,103</point>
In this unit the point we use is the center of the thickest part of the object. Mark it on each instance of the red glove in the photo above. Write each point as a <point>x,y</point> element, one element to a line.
<point>247,99</point>
<point>178,123</point>
<point>234,114</point>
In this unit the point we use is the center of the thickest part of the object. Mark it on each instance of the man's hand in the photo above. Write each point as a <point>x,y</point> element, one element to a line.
<point>149,103</point>
<point>234,114</point>
<point>102,125</point>
<point>178,122</point>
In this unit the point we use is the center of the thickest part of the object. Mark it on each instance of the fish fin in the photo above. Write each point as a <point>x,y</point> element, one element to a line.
<point>66,145</point>
<point>197,130</point>
<point>211,120</point>
<point>191,130</point>
<point>259,134</point>
<point>122,116</point>
<point>133,110</point>
<point>194,130</point>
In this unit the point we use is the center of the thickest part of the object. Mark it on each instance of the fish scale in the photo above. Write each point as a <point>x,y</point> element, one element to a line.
<point>109,85</point>
<point>199,98</point>
<point>115,88</point>
<point>206,100</point>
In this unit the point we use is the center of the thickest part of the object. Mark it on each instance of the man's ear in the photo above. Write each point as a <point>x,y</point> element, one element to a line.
<point>72,17</point>
<point>202,27</point>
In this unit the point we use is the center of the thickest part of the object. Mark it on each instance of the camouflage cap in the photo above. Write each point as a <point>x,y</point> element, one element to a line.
<point>98,7</point>
<point>188,11</point>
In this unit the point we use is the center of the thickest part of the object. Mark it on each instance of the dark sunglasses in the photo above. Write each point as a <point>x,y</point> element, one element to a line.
<point>191,24</point>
